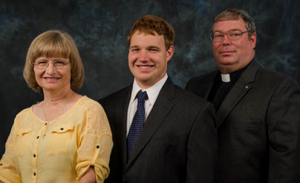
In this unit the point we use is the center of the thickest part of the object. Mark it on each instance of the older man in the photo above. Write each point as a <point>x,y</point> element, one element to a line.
<point>258,111</point>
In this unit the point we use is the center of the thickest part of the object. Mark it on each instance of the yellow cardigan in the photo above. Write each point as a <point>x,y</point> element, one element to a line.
<point>60,150</point>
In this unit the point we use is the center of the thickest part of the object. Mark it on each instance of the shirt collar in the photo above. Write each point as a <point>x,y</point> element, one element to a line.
<point>152,92</point>
<point>234,76</point>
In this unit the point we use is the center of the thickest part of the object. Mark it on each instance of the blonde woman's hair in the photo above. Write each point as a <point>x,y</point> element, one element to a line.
<point>54,43</point>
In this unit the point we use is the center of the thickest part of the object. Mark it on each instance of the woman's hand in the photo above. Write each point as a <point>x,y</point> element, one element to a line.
<point>89,176</point>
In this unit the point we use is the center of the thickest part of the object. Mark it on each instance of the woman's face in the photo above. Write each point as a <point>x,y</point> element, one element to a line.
<point>53,73</point>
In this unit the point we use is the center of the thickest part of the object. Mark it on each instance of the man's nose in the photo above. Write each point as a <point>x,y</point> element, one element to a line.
<point>226,40</point>
<point>144,55</point>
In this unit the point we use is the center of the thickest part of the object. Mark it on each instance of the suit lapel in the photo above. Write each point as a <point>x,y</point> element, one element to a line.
<point>120,126</point>
<point>238,91</point>
<point>161,108</point>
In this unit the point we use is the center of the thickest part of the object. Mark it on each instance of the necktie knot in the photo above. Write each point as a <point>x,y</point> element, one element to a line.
<point>142,96</point>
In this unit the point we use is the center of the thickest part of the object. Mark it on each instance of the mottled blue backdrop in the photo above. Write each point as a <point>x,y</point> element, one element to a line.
<point>100,29</point>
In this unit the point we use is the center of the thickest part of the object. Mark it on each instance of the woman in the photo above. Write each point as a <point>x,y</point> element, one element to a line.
<point>66,137</point>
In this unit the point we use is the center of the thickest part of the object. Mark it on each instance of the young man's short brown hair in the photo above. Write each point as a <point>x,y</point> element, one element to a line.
<point>150,24</point>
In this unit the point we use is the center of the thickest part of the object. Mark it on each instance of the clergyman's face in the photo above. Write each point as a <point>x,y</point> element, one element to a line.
<point>148,58</point>
<point>232,55</point>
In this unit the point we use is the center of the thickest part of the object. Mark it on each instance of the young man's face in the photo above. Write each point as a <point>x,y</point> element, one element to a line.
<point>148,58</point>
<point>232,55</point>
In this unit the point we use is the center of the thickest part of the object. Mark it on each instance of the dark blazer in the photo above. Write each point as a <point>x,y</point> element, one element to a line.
<point>258,127</point>
<point>178,142</point>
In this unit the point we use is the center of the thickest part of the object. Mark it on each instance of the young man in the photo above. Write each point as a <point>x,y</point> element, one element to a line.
<point>166,134</point>
<point>258,117</point>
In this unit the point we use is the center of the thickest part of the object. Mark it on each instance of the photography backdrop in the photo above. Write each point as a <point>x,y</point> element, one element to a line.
<point>100,30</point>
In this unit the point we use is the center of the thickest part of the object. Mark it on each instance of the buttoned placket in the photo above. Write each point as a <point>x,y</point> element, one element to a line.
<point>40,136</point>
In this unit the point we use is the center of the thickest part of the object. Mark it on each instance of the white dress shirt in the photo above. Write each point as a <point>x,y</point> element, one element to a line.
<point>152,93</point>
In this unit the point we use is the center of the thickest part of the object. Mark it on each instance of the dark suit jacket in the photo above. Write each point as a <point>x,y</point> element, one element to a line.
<point>258,127</point>
<point>178,142</point>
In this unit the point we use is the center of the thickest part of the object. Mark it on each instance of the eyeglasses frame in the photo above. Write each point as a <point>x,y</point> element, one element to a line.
<point>242,32</point>
<point>48,63</point>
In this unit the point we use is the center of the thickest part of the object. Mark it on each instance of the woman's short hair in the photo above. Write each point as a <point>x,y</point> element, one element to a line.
<point>54,43</point>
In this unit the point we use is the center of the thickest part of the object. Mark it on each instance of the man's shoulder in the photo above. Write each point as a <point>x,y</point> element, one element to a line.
<point>115,96</point>
<point>270,76</point>
<point>204,80</point>
<point>207,76</point>
<point>186,96</point>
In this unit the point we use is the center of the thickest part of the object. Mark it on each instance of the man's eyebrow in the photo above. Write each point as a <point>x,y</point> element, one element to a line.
<point>134,46</point>
<point>153,47</point>
<point>229,30</point>
<point>235,30</point>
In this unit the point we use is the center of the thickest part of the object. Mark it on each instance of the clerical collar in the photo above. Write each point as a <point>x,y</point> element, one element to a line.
<point>232,77</point>
<point>225,78</point>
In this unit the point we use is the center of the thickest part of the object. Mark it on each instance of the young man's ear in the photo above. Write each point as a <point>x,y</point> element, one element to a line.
<point>170,53</point>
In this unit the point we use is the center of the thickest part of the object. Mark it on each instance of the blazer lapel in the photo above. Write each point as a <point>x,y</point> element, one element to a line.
<point>161,108</point>
<point>241,87</point>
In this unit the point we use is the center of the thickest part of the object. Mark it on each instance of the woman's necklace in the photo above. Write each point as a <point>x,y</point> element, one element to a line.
<point>64,108</point>
<point>43,107</point>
